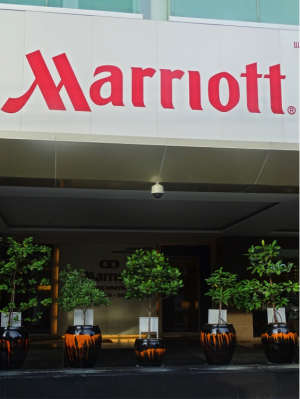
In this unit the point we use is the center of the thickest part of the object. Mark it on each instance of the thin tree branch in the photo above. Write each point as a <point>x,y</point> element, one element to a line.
<point>161,299</point>
<point>144,306</point>
<point>153,309</point>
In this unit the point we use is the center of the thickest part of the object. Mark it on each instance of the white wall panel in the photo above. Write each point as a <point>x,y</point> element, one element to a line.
<point>238,48</point>
<point>188,48</point>
<point>54,34</point>
<point>125,44</point>
<point>12,26</point>
<point>289,58</point>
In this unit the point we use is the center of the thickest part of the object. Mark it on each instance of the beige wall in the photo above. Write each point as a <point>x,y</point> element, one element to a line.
<point>242,323</point>
<point>122,317</point>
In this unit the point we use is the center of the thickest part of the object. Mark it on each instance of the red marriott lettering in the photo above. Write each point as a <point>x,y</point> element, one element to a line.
<point>47,86</point>
<point>168,78</point>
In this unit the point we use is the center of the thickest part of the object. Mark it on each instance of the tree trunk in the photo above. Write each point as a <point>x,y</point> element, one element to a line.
<point>84,316</point>
<point>12,296</point>
<point>149,320</point>
<point>274,313</point>
<point>220,313</point>
<point>273,306</point>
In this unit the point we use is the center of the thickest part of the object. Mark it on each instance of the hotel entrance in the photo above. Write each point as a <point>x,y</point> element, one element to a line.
<point>187,311</point>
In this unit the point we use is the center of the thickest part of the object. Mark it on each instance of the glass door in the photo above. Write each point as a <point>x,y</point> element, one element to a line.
<point>181,312</point>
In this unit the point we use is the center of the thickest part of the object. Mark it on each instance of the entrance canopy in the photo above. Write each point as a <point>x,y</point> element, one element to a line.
<point>69,189</point>
<point>271,168</point>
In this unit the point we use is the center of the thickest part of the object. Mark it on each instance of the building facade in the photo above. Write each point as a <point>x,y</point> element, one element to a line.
<point>99,100</point>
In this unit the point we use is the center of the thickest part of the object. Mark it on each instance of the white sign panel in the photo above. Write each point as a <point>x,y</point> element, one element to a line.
<point>63,73</point>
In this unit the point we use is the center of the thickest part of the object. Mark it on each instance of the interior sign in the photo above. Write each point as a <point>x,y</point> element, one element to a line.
<point>109,264</point>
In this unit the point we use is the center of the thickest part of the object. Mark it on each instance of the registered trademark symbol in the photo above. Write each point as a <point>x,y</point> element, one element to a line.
<point>291,110</point>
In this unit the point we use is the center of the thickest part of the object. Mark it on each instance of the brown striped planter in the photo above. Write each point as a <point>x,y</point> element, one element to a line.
<point>218,343</point>
<point>279,341</point>
<point>82,344</point>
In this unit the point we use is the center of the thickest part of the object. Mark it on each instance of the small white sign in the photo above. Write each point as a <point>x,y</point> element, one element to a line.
<point>4,320</point>
<point>79,320</point>
<point>280,314</point>
<point>213,316</point>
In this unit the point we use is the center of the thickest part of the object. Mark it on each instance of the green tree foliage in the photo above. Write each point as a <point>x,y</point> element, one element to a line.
<point>149,275</point>
<point>225,289</point>
<point>260,292</point>
<point>79,292</point>
<point>23,258</point>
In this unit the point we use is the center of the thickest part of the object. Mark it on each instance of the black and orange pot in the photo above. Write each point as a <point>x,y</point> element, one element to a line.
<point>149,352</point>
<point>218,343</point>
<point>279,341</point>
<point>82,344</point>
<point>14,343</point>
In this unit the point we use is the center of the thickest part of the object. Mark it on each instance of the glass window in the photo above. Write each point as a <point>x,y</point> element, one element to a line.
<point>130,6</point>
<point>236,10</point>
<point>25,2</point>
<point>56,3</point>
<point>279,11</point>
<point>107,5</point>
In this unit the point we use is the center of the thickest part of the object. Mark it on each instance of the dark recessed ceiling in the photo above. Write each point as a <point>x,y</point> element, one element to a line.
<point>135,214</point>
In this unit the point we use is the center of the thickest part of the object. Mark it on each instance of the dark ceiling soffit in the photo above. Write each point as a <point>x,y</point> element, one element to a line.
<point>146,186</point>
<point>241,220</point>
<point>3,224</point>
<point>142,229</point>
<point>284,233</point>
<point>20,229</point>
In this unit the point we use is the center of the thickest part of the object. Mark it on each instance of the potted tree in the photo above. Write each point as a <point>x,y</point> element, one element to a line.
<point>19,276</point>
<point>149,277</point>
<point>279,339</point>
<point>78,292</point>
<point>218,340</point>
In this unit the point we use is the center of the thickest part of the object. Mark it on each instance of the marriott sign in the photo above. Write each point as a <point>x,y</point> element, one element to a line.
<point>64,74</point>
<point>51,91</point>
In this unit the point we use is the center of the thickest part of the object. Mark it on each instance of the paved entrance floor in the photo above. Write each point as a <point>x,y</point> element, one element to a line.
<point>48,354</point>
<point>184,375</point>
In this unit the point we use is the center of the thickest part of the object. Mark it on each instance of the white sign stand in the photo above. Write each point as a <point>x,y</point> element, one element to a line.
<point>213,316</point>
<point>143,325</point>
<point>280,317</point>
<point>78,317</point>
<point>4,320</point>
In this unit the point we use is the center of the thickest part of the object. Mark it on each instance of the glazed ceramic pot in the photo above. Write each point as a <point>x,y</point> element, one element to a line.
<point>82,344</point>
<point>218,343</point>
<point>149,352</point>
<point>279,341</point>
<point>14,343</point>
